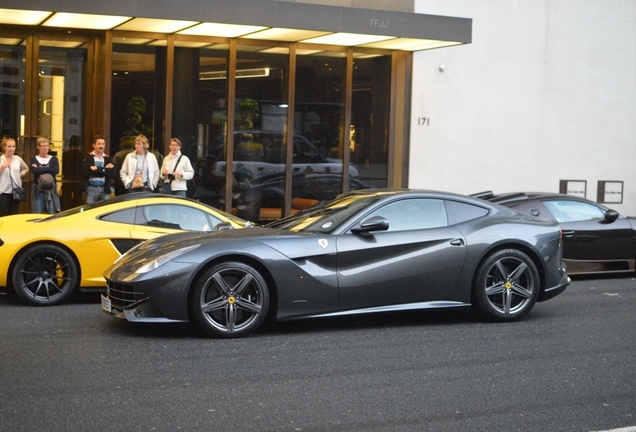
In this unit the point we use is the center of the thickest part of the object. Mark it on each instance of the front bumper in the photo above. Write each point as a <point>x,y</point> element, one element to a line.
<point>159,296</point>
<point>142,311</point>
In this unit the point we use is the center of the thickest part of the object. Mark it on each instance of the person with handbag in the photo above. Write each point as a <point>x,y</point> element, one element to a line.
<point>12,169</point>
<point>140,170</point>
<point>44,167</point>
<point>176,170</point>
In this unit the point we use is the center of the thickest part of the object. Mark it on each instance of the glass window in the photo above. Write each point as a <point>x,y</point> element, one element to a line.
<point>177,217</point>
<point>459,212</point>
<point>138,96</point>
<point>61,114</point>
<point>571,211</point>
<point>126,216</point>
<point>260,139</point>
<point>12,91</point>
<point>320,103</point>
<point>370,113</point>
<point>413,214</point>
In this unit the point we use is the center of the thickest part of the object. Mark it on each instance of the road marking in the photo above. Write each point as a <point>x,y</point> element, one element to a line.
<point>625,429</point>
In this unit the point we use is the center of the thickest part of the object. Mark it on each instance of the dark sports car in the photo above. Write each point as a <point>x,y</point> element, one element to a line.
<point>365,251</point>
<point>596,239</point>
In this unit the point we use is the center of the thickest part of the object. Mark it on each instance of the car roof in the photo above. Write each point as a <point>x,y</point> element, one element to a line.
<point>522,196</point>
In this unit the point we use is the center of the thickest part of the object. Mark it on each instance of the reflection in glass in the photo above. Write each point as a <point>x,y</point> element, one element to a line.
<point>370,118</point>
<point>12,92</point>
<point>138,95</point>
<point>61,115</point>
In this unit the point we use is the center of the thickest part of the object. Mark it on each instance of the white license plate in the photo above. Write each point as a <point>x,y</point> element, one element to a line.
<point>106,304</point>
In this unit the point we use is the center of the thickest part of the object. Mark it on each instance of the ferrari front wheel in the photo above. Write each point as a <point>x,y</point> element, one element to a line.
<point>506,285</point>
<point>45,275</point>
<point>230,300</point>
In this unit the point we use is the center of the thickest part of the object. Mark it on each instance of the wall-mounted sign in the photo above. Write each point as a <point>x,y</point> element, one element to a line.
<point>573,187</point>
<point>610,192</point>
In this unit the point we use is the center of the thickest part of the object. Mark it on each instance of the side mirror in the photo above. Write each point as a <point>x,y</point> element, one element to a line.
<point>610,216</point>
<point>376,223</point>
<point>223,226</point>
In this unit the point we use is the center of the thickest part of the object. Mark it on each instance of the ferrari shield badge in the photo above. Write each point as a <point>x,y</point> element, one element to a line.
<point>323,243</point>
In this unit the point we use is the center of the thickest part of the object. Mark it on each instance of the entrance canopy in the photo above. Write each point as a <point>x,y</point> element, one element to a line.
<point>246,19</point>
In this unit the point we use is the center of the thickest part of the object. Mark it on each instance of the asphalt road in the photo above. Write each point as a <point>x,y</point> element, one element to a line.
<point>569,366</point>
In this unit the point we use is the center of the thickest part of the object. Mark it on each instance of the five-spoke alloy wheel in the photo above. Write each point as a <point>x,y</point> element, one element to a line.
<point>506,286</point>
<point>230,300</point>
<point>45,275</point>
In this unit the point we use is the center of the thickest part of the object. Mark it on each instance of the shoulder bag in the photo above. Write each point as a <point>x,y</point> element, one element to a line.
<point>138,181</point>
<point>166,188</point>
<point>18,193</point>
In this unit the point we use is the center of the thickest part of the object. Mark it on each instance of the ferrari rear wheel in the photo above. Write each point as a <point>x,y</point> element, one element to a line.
<point>230,300</point>
<point>45,275</point>
<point>507,285</point>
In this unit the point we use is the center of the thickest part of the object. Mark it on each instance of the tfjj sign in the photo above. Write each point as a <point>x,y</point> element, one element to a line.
<point>375,22</point>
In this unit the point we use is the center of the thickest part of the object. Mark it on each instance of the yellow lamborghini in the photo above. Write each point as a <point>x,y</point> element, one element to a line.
<point>45,258</point>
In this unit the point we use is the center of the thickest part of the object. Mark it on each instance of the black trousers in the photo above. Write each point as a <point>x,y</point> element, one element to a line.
<point>7,205</point>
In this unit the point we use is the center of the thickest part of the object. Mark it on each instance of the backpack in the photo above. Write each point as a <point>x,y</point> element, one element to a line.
<point>46,181</point>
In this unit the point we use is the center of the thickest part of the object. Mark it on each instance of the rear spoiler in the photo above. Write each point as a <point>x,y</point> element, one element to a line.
<point>500,199</point>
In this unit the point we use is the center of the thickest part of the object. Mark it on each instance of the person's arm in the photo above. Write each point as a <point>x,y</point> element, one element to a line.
<point>54,166</point>
<point>24,168</point>
<point>109,166</point>
<point>152,162</point>
<point>187,172</point>
<point>89,163</point>
<point>123,173</point>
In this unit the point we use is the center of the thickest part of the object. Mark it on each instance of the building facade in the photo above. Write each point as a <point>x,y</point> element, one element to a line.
<point>268,94</point>
<point>543,97</point>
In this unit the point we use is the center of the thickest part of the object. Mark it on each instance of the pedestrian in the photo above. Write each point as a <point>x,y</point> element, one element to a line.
<point>98,170</point>
<point>12,169</point>
<point>176,169</point>
<point>44,167</point>
<point>140,171</point>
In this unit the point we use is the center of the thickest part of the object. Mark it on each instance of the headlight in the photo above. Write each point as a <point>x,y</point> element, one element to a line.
<point>164,258</point>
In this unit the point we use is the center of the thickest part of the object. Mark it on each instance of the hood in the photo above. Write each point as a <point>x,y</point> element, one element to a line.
<point>194,237</point>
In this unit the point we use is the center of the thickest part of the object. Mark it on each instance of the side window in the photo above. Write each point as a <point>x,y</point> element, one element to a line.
<point>124,216</point>
<point>459,212</point>
<point>572,211</point>
<point>413,214</point>
<point>172,216</point>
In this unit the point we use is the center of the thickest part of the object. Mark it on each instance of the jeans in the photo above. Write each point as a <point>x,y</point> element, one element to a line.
<point>40,203</point>
<point>95,193</point>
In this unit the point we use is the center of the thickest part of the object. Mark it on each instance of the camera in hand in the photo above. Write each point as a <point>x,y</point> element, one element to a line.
<point>170,177</point>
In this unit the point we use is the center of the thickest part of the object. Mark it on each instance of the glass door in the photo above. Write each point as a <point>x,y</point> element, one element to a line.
<point>12,92</point>
<point>60,114</point>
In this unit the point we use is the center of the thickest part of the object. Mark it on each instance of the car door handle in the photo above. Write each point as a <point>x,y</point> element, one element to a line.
<point>457,242</point>
<point>568,233</point>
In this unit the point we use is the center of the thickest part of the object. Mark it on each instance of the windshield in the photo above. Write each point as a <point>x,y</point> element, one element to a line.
<point>326,216</point>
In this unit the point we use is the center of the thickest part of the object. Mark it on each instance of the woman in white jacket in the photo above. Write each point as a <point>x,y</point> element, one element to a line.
<point>142,163</point>
<point>177,169</point>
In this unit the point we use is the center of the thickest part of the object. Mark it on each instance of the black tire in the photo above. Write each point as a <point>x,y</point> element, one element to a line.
<point>230,300</point>
<point>45,275</point>
<point>506,286</point>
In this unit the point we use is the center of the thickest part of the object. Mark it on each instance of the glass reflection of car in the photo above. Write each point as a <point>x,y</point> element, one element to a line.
<point>366,251</point>
<point>261,199</point>
<point>262,153</point>
<point>596,239</point>
<point>45,258</point>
